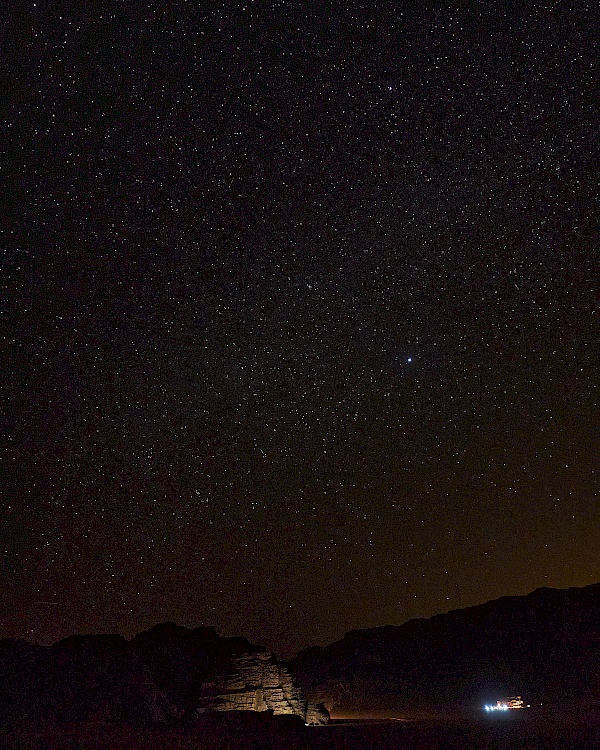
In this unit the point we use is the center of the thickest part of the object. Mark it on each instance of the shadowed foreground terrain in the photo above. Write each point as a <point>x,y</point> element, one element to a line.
<point>253,731</point>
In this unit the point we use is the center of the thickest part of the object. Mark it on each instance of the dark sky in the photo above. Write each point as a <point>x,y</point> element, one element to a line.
<point>300,314</point>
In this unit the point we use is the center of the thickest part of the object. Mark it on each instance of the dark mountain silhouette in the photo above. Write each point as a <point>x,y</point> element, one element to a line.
<point>544,646</point>
<point>175,687</point>
<point>154,678</point>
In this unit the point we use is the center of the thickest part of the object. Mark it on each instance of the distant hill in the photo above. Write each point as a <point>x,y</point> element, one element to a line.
<point>544,646</point>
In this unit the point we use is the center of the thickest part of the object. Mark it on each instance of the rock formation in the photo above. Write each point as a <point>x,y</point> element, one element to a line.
<point>257,682</point>
<point>159,677</point>
<point>182,660</point>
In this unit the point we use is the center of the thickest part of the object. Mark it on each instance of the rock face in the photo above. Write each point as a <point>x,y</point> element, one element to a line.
<point>257,682</point>
<point>316,714</point>
<point>544,646</point>
<point>181,661</point>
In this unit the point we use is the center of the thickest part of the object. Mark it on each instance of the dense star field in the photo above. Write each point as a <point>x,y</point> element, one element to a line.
<point>301,313</point>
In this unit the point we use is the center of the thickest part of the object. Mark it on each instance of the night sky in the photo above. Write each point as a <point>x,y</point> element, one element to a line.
<point>300,313</point>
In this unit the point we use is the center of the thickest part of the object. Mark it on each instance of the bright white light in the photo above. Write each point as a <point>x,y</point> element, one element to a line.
<point>409,359</point>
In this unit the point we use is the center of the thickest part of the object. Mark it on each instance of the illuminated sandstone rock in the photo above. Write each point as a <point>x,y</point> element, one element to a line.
<point>258,682</point>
